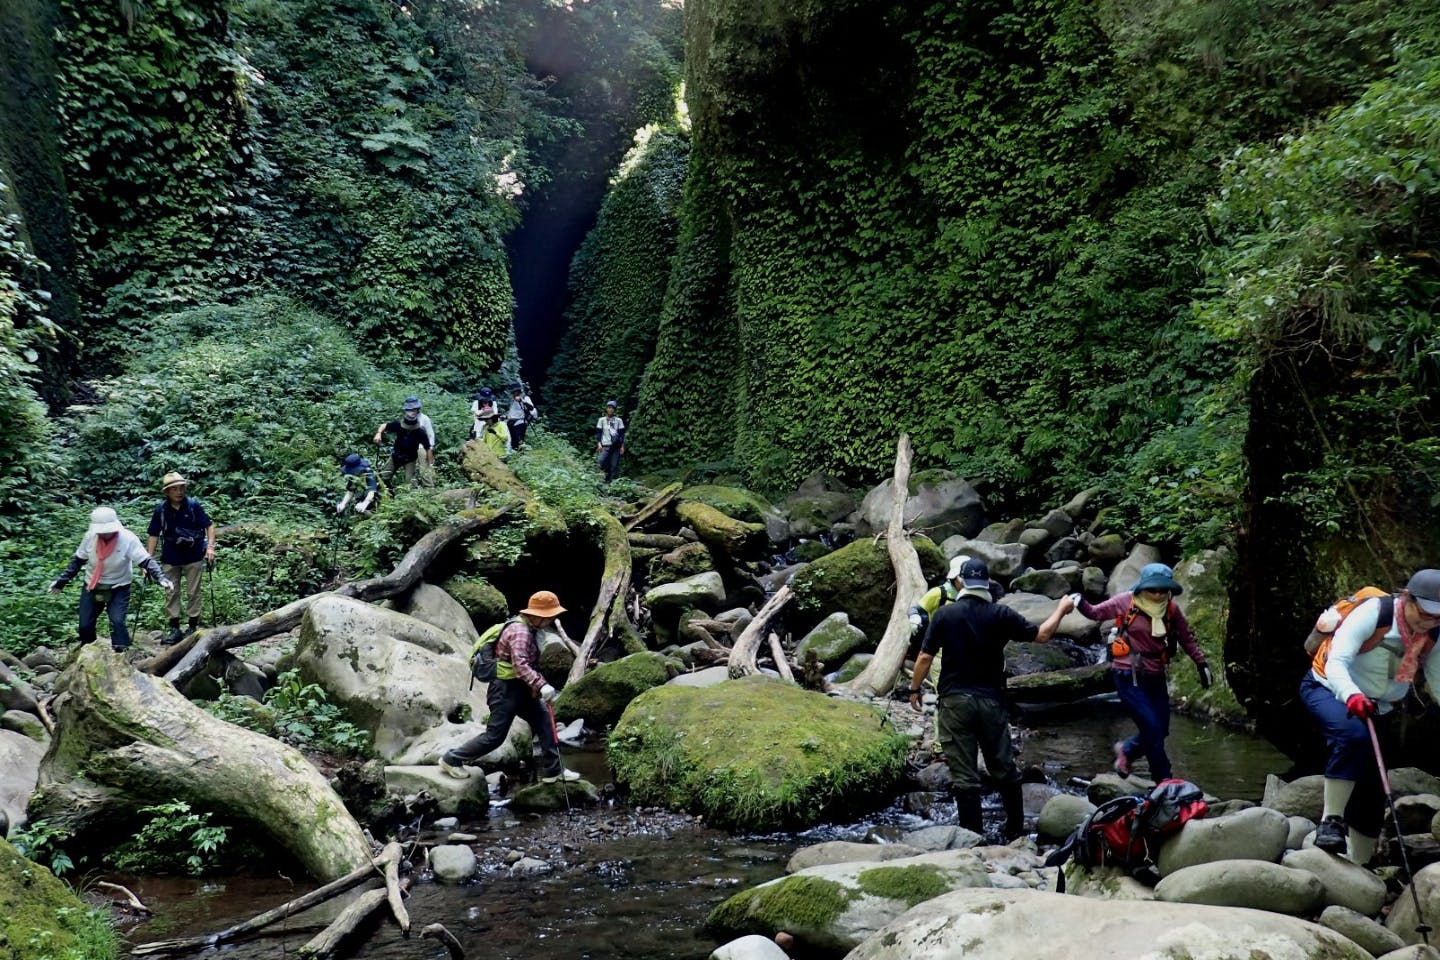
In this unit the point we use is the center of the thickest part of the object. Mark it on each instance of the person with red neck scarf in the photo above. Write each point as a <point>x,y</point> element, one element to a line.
<point>108,554</point>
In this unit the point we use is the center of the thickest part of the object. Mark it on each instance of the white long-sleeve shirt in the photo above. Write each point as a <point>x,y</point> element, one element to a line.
<point>118,568</point>
<point>1348,671</point>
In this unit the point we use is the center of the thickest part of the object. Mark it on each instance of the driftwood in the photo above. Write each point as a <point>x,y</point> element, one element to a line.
<point>131,900</point>
<point>406,575</point>
<point>327,942</point>
<point>656,541</point>
<point>610,599</point>
<point>437,931</point>
<point>705,631</point>
<point>878,677</point>
<point>747,645</point>
<point>660,501</point>
<point>390,855</point>
<point>777,653</point>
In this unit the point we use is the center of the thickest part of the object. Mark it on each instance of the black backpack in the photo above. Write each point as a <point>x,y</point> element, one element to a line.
<point>1127,831</point>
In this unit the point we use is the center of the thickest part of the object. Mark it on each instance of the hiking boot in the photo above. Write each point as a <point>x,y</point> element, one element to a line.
<point>172,638</point>
<point>568,776</point>
<point>1330,836</point>
<point>193,627</point>
<point>458,772</point>
<point>967,811</point>
<point>1122,762</point>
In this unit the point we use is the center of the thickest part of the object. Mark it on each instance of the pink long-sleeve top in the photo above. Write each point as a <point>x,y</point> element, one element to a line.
<point>1147,653</point>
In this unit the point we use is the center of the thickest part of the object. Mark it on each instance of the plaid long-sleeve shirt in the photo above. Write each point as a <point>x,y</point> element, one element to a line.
<point>518,650</point>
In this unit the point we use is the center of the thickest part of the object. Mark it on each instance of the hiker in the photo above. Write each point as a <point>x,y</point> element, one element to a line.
<point>483,405</point>
<point>609,441</point>
<point>972,632</point>
<point>1367,667</point>
<point>517,691</point>
<point>493,433</point>
<point>410,437</point>
<point>937,596</point>
<point>520,414</point>
<point>108,552</point>
<point>358,476</point>
<point>186,536</point>
<point>1148,627</point>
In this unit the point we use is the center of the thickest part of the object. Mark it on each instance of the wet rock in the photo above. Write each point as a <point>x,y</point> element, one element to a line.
<point>453,863</point>
<point>1104,883</point>
<point>1005,560</point>
<point>1255,834</point>
<point>1402,920</point>
<point>1415,813</point>
<point>1412,781</point>
<point>1061,815</point>
<point>832,641</point>
<point>940,502</point>
<point>1127,572</point>
<point>601,695</point>
<point>851,668</point>
<point>19,770</point>
<point>1027,658</point>
<point>446,823</point>
<point>462,838</point>
<point>1345,884</point>
<point>1036,795</point>
<point>935,776</point>
<point>1300,828</point>
<point>1061,686</point>
<point>942,837</point>
<point>752,947</point>
<point>16,694</point>
<point>844,851</point>
<point>1107,786</point>
<point>468,796</point>
<point>1303,797</point>
<point>704,591</point>
<point>1046,583</point>
<point>529,867</point>
<point>549,797</point>
<point>808,551</point>
<point>29,725</point>
<point>1092,584</point>
<point>1258,884</point>
<point>1366,932</point>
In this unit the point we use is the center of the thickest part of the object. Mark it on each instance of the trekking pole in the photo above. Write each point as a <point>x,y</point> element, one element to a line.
<point>554,732</point>
<point>1421,927</point>
<point>135,614</point>
<point>210,581</point>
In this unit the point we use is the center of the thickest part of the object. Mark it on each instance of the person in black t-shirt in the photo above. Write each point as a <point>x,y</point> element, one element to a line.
<point>972,633</point>
<point>186,536</point>
<point>410,438</point>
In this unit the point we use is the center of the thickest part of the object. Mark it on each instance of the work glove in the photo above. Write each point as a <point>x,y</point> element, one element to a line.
<point>916,622</point>
<point>364,505</point>
<point>548,694</point>
<point>1075,599</point>
<point>1360,706</point>
<point>166,584</point>
<point>340,507</point>
<point>1205,676</point>
<point>56,586</point>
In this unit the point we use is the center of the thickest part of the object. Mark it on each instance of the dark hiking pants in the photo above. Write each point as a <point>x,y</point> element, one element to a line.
<point>116,602</point>
<point>1147,699</point>
<point>509,699</point>
<point>1352,756</point>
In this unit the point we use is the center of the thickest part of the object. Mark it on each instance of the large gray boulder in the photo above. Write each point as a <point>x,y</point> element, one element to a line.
<point>1127,571</point>
<point>1104,883</point>
<point>1258,833</point>
<point>820,503</point>
<point>428,747</point>
<point>1005,560</point>
<point>709,677</point>
<point>942,837</point>
<point>601,696</point>
<point>846,851</point>
<point>1412,781</point>
<point>1047,583</point>
<point>1402,920</point>
<point>1036,608</point>
<point>704,591</point>
<point>1244,883</point>
<point>1061,814</point>
<point>1107,549</point>
<point>429,604</point>
<point>1414,814</point>
<point>941,503</point>
<point>1368,933</point>
<point>832,641</point>
<point>1346,884</point>
<point>1414,952</point>
<point>452,797</point>
<point>29,725</point>
<point>1029,925</point>
<point>1302,797</point>
<point>15,693</point>
<point>19,770</point>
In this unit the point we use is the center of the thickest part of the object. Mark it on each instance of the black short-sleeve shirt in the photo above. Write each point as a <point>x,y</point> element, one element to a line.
<point>972,634</point>
<point>407,442</point>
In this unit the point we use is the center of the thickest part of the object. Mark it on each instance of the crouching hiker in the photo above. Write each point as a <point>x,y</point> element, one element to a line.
<point>516,690</point>
<point>107,553</point>
<point>359,477</point>
<point>972,632</point>
<point>186,536</point>
<point>1362,668</point>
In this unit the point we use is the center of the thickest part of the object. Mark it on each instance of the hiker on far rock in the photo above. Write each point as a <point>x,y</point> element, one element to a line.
<point>186,536</point>
<point>947,592</point>
<point>609,441</point>
<point>108,553</point>
<point>520,414</point>
<point>1368,656</point>
<point>410,437</point>
<point>972,632</point>
<point>1149,628</point>
<point>492,432</point>
<point>516,690</point>
<point>359,479</point>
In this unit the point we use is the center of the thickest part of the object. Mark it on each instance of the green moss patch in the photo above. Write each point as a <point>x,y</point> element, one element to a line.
<point>42,919</point>
<point>754,754</point>
<point>734,502</point>
<point>602,695</point>
<point>859,580</point>
<point>798,905</point>
<point>911,885</point>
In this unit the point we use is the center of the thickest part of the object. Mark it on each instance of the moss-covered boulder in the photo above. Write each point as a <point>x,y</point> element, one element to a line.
<point>726,536</point>
<point>42,919</point>
<point>601,696</point>
<point>549,797</point>
<point>482,601</point>
<point>484,468</point>
<point>684,561</point>
<point>858,580</point>
<point>832,641</point>
<point>852,668</point>
<point>741,504</point>
<point>830,909</point>
<point>1206,603</point>
<point>820,503</point>
<point>755,754</point>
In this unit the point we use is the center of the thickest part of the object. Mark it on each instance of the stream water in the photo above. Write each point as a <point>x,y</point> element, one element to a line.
<point>639,883</point>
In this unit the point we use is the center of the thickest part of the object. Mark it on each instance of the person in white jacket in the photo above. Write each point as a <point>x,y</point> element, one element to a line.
<point>1368,666</point>
<point>108,554</point>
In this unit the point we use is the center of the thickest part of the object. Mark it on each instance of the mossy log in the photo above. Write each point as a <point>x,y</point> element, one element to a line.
<point>720,532</point>
<point>407,573</point>
<point>1061,686</point>
<point>610,600</point>
<point>879,675</point>
<point>125,740</point>
<point>655,507</point>
<point>480,464</point>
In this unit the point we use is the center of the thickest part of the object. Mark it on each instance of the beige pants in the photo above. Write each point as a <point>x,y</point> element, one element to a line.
<point>191,572</point>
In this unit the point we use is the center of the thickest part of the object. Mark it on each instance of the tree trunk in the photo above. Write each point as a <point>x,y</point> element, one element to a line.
<point>613,586</point>
<point>878,677</point>
<point>659,541</point>
<point>125,740</point>
<point>747,645</point>
<point>777,653</point>
<point>655,506</point>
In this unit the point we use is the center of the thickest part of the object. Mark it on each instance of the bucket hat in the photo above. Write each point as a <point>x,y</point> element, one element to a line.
<point>543,603</point>
<point>172,479</point>
<point>1157,576</point>
<point>354,464</point>
<point>411,403</point>
<point>104,520</point>
<point>956,565</point>
<point>1424,586</point>
<point>611,403</point>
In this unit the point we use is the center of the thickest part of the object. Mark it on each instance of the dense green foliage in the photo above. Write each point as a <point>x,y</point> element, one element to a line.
<point>173,838</point>
<point>41,918</point>
<point>298,713</point>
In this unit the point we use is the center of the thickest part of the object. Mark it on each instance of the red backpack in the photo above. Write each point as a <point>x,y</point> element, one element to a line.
<point>1127,831</point>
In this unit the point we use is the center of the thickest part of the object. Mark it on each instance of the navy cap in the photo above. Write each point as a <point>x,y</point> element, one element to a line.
<point>974,573</point>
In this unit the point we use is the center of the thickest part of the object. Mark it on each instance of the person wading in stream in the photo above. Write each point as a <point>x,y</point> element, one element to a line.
<point>517,691</point>
<point>972,633</point>
<point>108,553</point>
<point>1148,627</point>
<point>186,537</point>
<point>1362,671</point>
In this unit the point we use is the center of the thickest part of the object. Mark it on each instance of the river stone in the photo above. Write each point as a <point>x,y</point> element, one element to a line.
<point>41,656</point>
<point>1127,572</point>
<point>1027,658</point>
<point>1223,808</point>
<point>427,748</point>
<point>1033,925</point>
<point>942,837</point>
<point>752,947</point>
<point>1300,828</point>
<point>1368,933</point>
<point>704,591</point>
<point>832,908</point>
<point>859,580</point>
<point>19,770</point>
<point>832,640</point>
<point>529,867</point>
<point>1255,834</point>
<point>1092,584</point>
<point>845,851</point>
<point>852,668</point>
<point>1303,797</point>
<point>1414,952</point>
<point>1107,786</point>
<point>453,862</point>
<point>29,725</point>
<point>1346,884</point>
<point>1005,560</point>
<point>468,796</point>
<point>1036,608</point>
<point>1258,884</point>
<point>1066,550</point>
<point>1104,883</point>
<point>940,502</point>
<point>1061,814</point>
<point>549,797</point>
<point>1107,549</point>
<point>1047,583</point>
<point>1412,781</point>
<point>1003,531</point>
<point>1402,920</point>
<point>1057,523</point>
<point>430,604</point>
<point>1416,813</point>
<point>16,694</point>
<point>709,677</point>
<point>601,695</point>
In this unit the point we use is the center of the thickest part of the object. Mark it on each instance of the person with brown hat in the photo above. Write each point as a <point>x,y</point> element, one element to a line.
<point>109,553</point>
<point>518,691</point>
<point>186,536</point>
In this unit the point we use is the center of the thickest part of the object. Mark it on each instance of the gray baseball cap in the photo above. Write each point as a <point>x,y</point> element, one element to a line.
<point>1424,586</point>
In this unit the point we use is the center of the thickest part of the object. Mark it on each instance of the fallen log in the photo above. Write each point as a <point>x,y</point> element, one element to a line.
<point>327,942</point>
<point>614,584</point>
<point>777,653</point>
<point>125,740</point>
<point>879,676</point>
<point>437,931</point>
<point>656,541</point>
<point>747,645</point>
<point>1061,686</point>
<point>405,576</point>
<point>658,503</point>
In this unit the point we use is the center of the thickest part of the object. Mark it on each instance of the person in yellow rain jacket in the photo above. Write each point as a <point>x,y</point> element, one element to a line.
<point>493,432</point>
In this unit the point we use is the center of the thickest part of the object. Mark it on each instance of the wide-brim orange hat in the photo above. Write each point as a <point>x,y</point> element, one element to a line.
<point>543,603</point>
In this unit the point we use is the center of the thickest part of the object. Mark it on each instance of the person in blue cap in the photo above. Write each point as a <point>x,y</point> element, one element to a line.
<point>411,435</point>
<point>358,476</point>
<point>609,441</point>
<point>1149,627</point>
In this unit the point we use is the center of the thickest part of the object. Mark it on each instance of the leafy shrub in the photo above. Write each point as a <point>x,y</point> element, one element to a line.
<point>174,838</point>
<point>42,841</point>
<point>307,718</point>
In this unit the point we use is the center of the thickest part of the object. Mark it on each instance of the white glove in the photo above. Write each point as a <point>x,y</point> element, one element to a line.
<point>56,586</point>
<point>915,622</point>
<point>364,505</point>
<point>1075,599</point>
<point>548,694</point>
<point>344,502</point>
<point>167,584</point>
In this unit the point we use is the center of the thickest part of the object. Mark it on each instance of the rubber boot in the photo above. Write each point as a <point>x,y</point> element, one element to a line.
<point>193,625</point>
<point>967,810</point>
<point>1014,802</point>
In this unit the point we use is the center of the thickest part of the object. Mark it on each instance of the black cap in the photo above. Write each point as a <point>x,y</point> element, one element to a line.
<point>1425,588</point>
<point>974,573</point>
